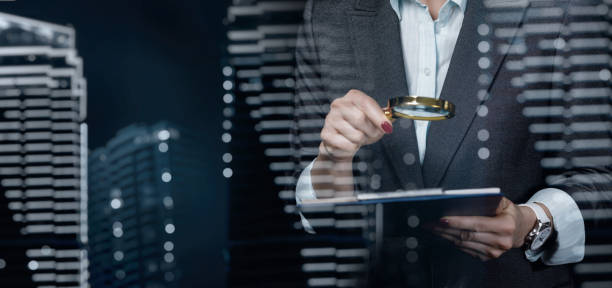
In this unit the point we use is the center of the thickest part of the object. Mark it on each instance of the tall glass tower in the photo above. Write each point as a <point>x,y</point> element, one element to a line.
<point>138,183</point>
<point>43,170</point>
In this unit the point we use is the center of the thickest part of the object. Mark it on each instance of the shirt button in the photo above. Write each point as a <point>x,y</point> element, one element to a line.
<point>427,71</point>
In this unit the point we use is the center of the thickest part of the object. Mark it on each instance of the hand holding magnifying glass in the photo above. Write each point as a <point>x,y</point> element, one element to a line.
<point>355,120</point>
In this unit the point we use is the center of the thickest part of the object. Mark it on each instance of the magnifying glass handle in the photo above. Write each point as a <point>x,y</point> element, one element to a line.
<point>389,113</point>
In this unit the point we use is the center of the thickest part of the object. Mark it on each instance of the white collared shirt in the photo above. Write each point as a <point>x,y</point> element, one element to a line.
<point>428,46</point>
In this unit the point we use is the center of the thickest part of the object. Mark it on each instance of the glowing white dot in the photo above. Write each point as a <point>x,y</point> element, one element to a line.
<point>118,255</point>
<point>483,135</point>
<point>166,177</point>
<point>228,112</point>
<point>559,43</point>
<point>120,274</point>
<point>484,62</point>
<point>226,137</point>
<point>483,111</point>
<point>484,46</point>
<point>227,71</point>
<point>289,82</point>
<point>169,228</point>
<point>604,75</point>
<point>483,29</point>
<point>227,125</point>
<point>169,257</point>
<point>118,233</point>
<point>483,153</point>
<point>228,98</point>
<point>115,203</point>
<point>412,242</point>
<point>168,246</point>
<point>483,95</point>
<point>46,250</point>
<point>362,166</point>
<point>228,172</point>
<point>375,181</point>
<point>18,217</point>
<point>163,135</point>
<point>227,157</point>
<point>409,158</point>
<point>413,221</point>
<point>168,202</point>
<point>33,265</point>
<point>228,85</point>
<point>2,263</point>
<point>163,147</point>
<point>484,79</point>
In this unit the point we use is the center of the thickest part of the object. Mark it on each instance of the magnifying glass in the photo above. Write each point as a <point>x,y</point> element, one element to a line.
<point>419,108</point>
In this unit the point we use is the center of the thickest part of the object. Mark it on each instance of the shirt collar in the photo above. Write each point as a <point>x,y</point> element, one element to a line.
<point>395,4</point>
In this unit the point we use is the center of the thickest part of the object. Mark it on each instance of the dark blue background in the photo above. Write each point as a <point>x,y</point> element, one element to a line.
<point>147,61</point>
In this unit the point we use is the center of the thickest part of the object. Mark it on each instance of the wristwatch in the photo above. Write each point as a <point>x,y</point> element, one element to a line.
<point>540,232</point>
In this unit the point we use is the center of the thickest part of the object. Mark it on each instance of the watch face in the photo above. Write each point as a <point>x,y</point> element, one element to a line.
<point>541,238</point>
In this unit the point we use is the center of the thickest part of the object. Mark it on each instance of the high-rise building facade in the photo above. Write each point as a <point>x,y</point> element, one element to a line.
<point>267,245</point>
<point>137,184</point>
<point>43,167</point>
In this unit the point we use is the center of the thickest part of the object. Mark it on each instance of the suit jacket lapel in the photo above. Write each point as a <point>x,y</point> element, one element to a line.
<point>461,88</point>
<point>376,40</point>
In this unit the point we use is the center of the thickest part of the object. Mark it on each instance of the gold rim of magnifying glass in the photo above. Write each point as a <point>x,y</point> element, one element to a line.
<point>439,104</point>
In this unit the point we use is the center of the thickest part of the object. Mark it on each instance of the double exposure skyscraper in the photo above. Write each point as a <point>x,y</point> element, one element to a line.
<point>138,183</point>
<point>43,168</point>
<point>268,247</point>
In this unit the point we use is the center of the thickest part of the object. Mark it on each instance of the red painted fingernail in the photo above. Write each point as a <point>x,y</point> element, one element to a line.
<point>387,127</point>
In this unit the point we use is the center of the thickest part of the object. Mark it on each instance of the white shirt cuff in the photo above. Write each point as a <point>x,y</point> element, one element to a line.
<point>569,225</point>
<point>304,190</point>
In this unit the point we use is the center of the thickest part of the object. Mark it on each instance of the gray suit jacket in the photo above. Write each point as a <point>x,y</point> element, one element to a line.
<point>355,44</point>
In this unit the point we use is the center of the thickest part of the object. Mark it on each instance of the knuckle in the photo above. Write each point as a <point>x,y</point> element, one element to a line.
<point>505,243</point>
<point>336,103</point>
<point>360,117</point>
<point>362,137</point>
<point>466,235</point>
<point>378,134</point>
<point>493,253</point>
<point>325,134</point>
<point>353,93</point>
<point>507,227</point>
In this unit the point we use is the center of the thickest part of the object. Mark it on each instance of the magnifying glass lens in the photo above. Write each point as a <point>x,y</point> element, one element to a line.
<point>419,111</point>
<point>419,108</point>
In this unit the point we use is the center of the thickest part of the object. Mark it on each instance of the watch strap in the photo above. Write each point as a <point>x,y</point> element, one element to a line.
<point>540,213</point>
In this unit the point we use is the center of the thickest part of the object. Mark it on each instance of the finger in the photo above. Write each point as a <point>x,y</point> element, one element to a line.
<point>487,238</point>
<point>475,254</point>
<point>503,204</point>
<point>477,223</point>
<point>485,250</point>
<point>370,108</point>
<point>470,251</point>
<point>337,143</point>
<point>360,121</point>
<point>348,131</point>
